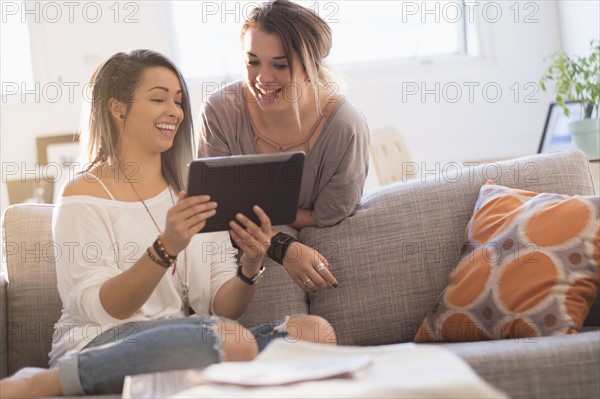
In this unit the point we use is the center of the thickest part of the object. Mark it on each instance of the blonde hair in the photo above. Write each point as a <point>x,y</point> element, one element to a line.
<point>300,30</point>
<point>119,78</point>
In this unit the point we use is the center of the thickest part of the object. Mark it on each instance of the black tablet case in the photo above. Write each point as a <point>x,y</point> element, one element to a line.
<point>236,183</point>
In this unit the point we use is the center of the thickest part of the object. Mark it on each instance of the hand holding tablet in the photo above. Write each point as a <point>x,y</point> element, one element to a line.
<point>237,183</point>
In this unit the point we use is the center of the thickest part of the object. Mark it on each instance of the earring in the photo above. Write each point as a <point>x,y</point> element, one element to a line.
<point>122,116</point>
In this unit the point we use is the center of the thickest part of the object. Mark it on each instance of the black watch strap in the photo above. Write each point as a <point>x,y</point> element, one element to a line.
<point>248,280</point>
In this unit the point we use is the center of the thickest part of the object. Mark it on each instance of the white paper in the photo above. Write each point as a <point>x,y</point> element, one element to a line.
<point>281,372</point>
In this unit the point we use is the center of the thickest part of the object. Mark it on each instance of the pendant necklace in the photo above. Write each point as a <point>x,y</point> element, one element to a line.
<point>185,287</point>
<point>304,142</point>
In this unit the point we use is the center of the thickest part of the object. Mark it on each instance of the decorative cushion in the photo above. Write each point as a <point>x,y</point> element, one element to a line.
<point>530,267</point>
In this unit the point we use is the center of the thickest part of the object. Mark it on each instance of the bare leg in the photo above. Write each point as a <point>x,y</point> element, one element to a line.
<point>312,329</point>
<point>44,383</point>
<point>238,343</point>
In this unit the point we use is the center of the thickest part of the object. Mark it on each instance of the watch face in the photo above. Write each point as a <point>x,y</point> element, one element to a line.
<point>250,280</point>
<point>259,274</point>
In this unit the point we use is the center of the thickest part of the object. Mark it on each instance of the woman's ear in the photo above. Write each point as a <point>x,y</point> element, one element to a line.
<point>117,109</point>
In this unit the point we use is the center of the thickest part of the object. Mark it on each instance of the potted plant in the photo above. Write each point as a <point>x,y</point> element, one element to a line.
<point>578,79</point>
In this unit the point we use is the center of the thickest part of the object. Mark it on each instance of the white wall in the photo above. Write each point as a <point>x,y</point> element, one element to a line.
<point>436,131</point>
<point>65,54</point>
<point>579,23</point>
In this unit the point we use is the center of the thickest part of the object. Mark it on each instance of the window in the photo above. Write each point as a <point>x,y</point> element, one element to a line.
<point>16,67</point>
<point>390,30</point>
<point>208,43</point>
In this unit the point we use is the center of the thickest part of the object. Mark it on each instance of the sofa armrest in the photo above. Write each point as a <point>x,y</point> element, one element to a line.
<point>32,302</point>
<point>3,326</point>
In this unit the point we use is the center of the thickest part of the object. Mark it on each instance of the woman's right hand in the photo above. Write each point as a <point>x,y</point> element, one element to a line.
<point>186,218</point>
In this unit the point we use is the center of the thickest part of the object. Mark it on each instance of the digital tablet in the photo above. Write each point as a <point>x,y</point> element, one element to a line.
<point>237,183</point>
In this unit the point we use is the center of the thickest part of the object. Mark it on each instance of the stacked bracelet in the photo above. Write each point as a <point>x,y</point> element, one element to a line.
<point>164,259</point>
<point>159,247</point>
<point>279,245</point>
<point>156,260</point>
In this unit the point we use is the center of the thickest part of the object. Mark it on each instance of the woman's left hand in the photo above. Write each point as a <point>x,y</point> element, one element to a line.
<point>308,268</point>
<point>253,240</point>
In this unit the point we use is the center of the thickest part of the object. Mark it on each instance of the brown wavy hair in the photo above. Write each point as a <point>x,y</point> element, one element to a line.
<point>301,30</point>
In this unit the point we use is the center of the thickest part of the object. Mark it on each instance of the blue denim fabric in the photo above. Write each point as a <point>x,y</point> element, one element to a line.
<point>147,347</point>
<point>266,333</point>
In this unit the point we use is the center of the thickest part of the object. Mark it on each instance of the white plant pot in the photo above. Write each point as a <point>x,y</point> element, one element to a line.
<point>586,135</point>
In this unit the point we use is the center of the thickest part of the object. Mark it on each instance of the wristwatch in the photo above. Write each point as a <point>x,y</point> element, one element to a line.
<point>250,280</point>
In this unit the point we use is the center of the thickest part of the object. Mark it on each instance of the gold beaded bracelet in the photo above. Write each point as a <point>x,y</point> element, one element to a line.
<point>166,265</point>
<point>160,249</point>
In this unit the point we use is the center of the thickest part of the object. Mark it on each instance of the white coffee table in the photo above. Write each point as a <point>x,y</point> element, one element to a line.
<point>402,370</point>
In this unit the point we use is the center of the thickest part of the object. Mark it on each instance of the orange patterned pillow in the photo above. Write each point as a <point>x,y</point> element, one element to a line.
<point>530,267</point>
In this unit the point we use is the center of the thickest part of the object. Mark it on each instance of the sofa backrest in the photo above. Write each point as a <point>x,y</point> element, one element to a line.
<point>392,257</point>
<point>32,301</point>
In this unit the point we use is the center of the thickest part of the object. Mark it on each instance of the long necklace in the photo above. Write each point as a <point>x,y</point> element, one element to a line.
<point>304,142</point>
<point>258,136</point>
<point>185,287</point>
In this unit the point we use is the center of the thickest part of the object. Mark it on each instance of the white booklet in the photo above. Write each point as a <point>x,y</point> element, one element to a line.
<point>281,372</point>
<point>249,374</point>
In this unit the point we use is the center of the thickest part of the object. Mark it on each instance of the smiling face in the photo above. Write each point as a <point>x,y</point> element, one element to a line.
<point>268,73</point>
<point>155,112</point>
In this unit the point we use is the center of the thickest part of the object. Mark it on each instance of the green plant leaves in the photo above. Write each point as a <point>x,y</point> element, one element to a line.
<point>576,79</point>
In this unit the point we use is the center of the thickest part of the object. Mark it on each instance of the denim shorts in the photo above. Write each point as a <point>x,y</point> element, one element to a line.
<point>151,346</point>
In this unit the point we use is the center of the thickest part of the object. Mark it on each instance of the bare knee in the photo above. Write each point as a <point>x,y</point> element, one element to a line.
<point>237,342</point>
<point>312,329</point>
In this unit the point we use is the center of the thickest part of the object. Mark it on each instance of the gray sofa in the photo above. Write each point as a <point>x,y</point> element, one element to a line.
<point>392,258</point>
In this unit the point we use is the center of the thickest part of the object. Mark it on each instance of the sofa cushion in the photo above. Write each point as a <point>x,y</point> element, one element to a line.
<point>531,267</point>
<point>33,304</point>
<point>392,257</point>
